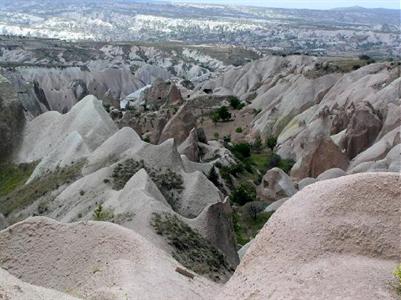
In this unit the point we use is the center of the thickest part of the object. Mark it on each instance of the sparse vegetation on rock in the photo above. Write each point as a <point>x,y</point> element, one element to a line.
<point>397,275</point>
<point>169,182</point>
<point>12,176</point>
<point>102,214</point>
<point>190,248</point>
<point>25,194</point>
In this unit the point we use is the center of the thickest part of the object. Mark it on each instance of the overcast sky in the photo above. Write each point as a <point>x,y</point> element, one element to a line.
<point>311,4</point>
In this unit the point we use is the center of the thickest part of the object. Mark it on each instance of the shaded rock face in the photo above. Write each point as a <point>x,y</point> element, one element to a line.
<point>327,156</point>
<point>362,130</point>
<point>190,147</point>
<point>332,240</point>
<point>162,92</point>
<point>79,89</point>
<point>12,119</point>
<point>200,132</point>
<point>320,155</point>
<point>3,222</point>
<point>159,104</point>
<point>179,126</point>
<point>150,124</point>
<point>276,184</point>
<point>25,93</point>
<point>219,229</point>
<point>40,94</point>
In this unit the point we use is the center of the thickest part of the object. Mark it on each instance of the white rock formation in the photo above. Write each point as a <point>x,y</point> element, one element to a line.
<point>45,133</point>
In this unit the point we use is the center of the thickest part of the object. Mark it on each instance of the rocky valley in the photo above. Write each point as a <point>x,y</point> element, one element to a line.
<point>269,30</point>
<point>179,170</point>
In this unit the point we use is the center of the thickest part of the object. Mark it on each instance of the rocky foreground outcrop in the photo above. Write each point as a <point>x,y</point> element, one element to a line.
<point>91,260</point>
<point>12,288</point>
<point>337,239</point>
<point>334,239</point>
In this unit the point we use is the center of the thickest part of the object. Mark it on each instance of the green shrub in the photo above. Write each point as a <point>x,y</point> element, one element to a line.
<point>224,114</point>
<point>242,150</point>
<point>101,214</point>
<point>235,103</point>
<point>238,130</point>
<point>257,144</point>
<point>189,248</point>
<point>271,142</point>
<point>234,170</point>
<point>286,165</point>
<point>253,209</point>
<point>123,172</point>
<point>215,117</point>
<point>244,193</point>
<point>221,114</point>
<point>226,139</point>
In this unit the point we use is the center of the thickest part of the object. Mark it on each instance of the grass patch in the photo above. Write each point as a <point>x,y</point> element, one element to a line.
<point>190,248</point>
<point>261,160</point>
<point>13,176</point>
<point>24,195</point>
